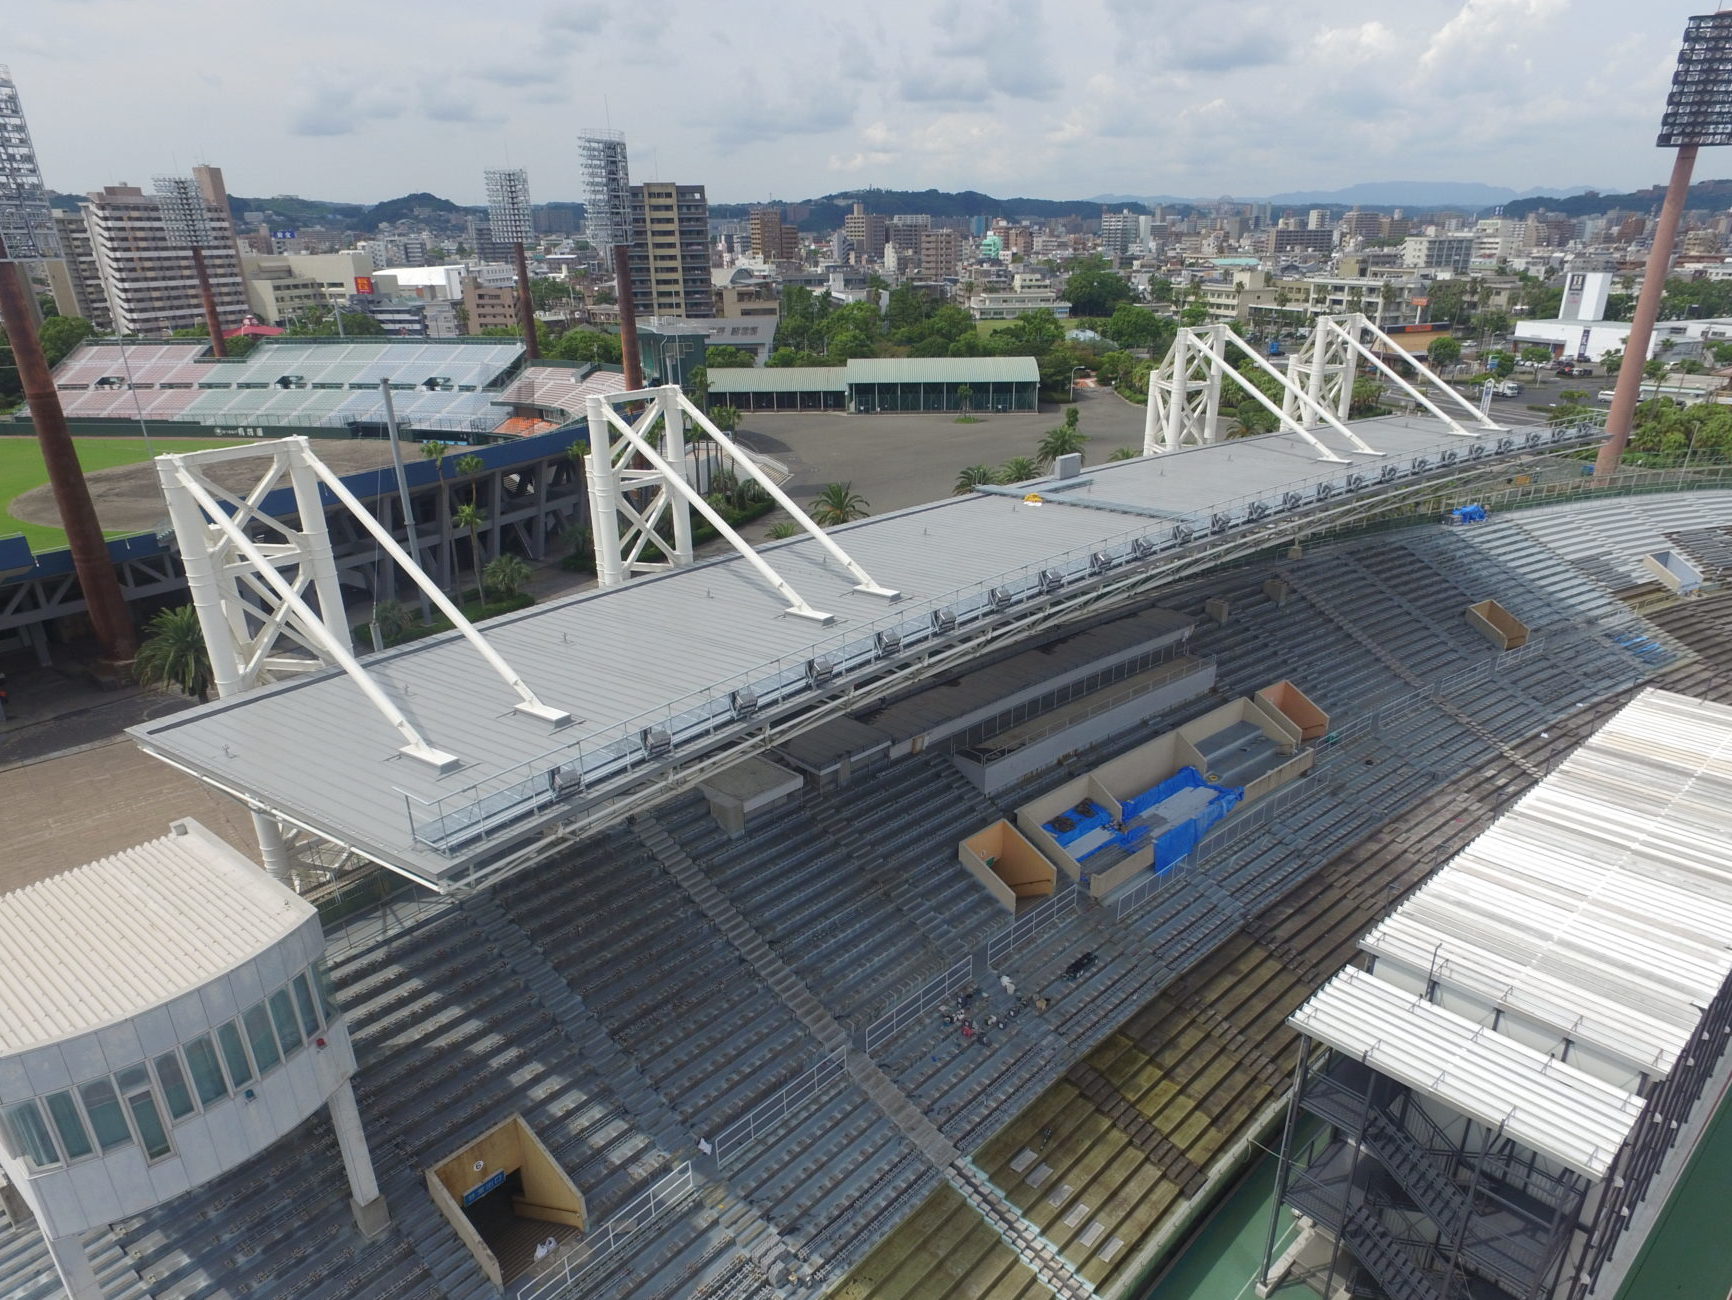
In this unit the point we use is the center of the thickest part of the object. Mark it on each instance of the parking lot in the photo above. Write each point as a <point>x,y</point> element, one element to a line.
<point>895,461</point>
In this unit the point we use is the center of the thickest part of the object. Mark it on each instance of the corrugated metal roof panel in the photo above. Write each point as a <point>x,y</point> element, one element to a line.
<point>103,942</point>
<point>943,370</point>
<point>1539,1101</point>
<point>778,379</point>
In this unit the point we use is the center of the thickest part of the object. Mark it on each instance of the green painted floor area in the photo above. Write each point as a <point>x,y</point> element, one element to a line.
<point>1685,1256</point>
<point>1223,1260</point>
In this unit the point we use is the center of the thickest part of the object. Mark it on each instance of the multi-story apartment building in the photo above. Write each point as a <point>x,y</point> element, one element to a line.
<point>1290,241</point>
<point>149,283</point>
<point>867,231</point>
<point>670,250</point>
<point>773,240</point>
<point>1362,225</point>
<point>75,280</point>
<point>487,307</point>
<point>1384,301</point>
<point>1119,232</point>
<point>1438,252</point>
<point>940,252</point>
<point>903,232</point>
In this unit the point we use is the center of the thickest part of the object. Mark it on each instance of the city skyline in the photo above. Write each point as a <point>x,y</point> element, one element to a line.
<point>1011,97</point>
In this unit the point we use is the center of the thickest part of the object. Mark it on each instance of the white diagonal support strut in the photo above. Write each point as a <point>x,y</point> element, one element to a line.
<point>864,581</point>
<point>639,473</point>
<point>1329,360</point>
<point>1185,396</point>
<point>251,574</point>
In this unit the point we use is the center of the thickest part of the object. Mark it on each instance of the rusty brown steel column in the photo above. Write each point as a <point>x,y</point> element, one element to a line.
<point>109,617</point>
<point>212,321</point>
<point>1625,395</point>
<point>526,305</point>
<point>628,352</point>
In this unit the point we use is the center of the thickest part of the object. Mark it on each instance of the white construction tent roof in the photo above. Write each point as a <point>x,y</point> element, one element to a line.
<point>1598,907</point>
<point>103,942</point>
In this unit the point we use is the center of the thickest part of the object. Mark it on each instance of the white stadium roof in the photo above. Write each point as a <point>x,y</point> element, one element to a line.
<point>1598,909</point>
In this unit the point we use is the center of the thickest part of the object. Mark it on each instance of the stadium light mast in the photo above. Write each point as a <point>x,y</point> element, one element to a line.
<point>1698,113</point>
<point>509,217</point>
<point>27,235</point>
<point>187,221</point>
<point>607,220</point>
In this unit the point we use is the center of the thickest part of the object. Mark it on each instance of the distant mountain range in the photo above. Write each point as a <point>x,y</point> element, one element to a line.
<point>1380,194</point>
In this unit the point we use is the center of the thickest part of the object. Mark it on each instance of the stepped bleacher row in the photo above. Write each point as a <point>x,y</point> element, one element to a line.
<point>594,996</point>
<point>458,385</point>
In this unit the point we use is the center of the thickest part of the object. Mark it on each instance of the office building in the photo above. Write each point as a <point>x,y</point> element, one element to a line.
<point>940,252</point>
<point>670,250</point>
<point>488,307</point>
<point>1438,252</point>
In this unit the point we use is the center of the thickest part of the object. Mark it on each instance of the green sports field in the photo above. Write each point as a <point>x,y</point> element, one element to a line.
<point>21,469</point>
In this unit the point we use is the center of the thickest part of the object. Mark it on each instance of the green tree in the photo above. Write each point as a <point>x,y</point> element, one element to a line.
<point>1501,364</point>
<point>321,322</point>
<point>1490,323</point>
<point>434,450</point>
<point>1125,453</point>
<point>965,397</point>
<point>1536,355</point>
<point>726,418</point>
<point>971,477</point>
<point>173,653</point>
<point>591,346</point>
<point>782,528</point>
<point>727,358</point>
<point>1655,369</point>
<point>1095,289</point>
<point>469,467</point>
<point>838,503</point>
<point>545,291</point>
<point>60,334</point>
<point>1443,351</point>
<point>1018,469</point>
<point>1062,441</point>
<point>1138,327</point>
<point>472,518</point>
<point>505,576</point>
<point>1193,315</point>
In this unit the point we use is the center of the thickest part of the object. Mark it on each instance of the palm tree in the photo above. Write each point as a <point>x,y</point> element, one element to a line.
<point>1125,453</point>
<point>965,397</point>
<point>506,574</point>
<point>1062,441</point>
<point>1072,417</point>
<point>971,477</point>
<point>838,503</point>
<point>174,654</point>
<point>1018,469</point>
<point>726,418</point>
<point>470,466</point>
<point>472,517</point>
<point>434,451</point>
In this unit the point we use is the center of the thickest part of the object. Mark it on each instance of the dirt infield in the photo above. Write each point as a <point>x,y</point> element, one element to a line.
<point>128,499</point>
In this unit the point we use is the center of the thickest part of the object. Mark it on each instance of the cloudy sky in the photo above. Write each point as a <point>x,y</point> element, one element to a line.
<point>362,100</point>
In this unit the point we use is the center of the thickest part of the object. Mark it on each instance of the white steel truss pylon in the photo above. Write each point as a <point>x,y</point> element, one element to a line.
<point>1185,396</point>
<point>251,575</point>
<point>629,501</point>
<point>1324,367</point>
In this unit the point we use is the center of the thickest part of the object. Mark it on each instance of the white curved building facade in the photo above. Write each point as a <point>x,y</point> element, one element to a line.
<point>163,1020</point>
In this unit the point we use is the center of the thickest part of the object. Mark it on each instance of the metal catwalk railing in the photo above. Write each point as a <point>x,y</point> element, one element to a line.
<point>730,1142</point>
<point>595,1247</point>
<point>912,1007</point>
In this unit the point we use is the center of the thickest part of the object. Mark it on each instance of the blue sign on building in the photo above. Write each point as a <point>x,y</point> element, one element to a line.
<point>282,234</point>
<point>476,1192</point>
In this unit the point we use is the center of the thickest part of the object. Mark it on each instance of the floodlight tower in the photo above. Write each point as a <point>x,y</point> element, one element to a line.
<point>186,218</point>
<point>509,217</point>
<point>1698,112</point>
<point>607,218</point>
<point>27,235</point>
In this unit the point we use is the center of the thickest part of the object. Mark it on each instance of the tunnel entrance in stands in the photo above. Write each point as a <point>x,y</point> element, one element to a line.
<point>508,1200</point>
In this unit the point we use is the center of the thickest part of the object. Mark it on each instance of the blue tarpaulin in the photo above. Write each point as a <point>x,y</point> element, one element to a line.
<point>1186,820</point>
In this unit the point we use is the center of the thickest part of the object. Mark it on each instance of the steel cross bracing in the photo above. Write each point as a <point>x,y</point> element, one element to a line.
<point>1185,390</point>
<point>251,574</point>
<point>1320,376</point>
<point>641,496</point>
